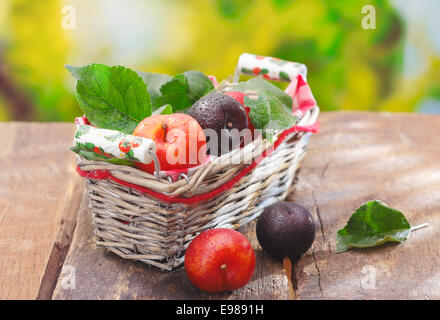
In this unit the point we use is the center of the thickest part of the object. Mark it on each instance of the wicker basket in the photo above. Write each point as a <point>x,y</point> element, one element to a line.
<point>140,216</point>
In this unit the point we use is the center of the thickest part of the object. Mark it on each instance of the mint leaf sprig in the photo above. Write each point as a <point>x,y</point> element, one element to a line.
<point>118,98</point>
<point>180,91</point>
<point>272,110</point>
<point>111,97</point>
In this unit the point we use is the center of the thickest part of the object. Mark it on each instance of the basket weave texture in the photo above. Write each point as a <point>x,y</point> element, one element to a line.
<point>138,226</point>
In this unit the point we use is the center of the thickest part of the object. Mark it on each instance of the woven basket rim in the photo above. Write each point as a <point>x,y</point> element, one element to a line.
<point>174,192</point>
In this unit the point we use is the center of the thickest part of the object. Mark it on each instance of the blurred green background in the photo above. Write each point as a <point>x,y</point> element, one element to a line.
<point>395,67</point>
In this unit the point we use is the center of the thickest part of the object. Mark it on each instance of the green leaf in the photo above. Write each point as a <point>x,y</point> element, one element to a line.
<point>198,85</point>
<point>175,92</point>
<point>165,109</point>
<point>184,89</point>
<point>181,91</point>
<point>281,116</point>
<point>112,97</point>
<point>271,91</point>
<point>154,82</point>
<point>372,225</point>
<point>74,71</point>
<point>259,110</point>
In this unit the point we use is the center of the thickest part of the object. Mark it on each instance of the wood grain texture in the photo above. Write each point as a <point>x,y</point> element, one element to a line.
<point>356,157</point>
<point>101,274</point>
<point>71,202</point>
<point>359,157</point>
<point>37,181</point>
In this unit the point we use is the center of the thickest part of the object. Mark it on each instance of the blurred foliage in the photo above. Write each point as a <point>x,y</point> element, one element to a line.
<point>36,51</point>
<point>349,67</point>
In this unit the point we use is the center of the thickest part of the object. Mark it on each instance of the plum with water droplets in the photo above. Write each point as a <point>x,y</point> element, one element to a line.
<point>220,113</point>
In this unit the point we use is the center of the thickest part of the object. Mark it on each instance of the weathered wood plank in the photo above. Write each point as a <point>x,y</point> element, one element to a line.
<point>356,157</point>
<point>364,156</point>
<point>100,274</point>
<point>37,183</point>
<point>71,203</point>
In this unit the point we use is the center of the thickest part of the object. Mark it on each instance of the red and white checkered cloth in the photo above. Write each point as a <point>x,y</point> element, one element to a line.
<point>301,94</point>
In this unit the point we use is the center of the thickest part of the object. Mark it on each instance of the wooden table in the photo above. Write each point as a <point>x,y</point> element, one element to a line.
<point>46,238</point>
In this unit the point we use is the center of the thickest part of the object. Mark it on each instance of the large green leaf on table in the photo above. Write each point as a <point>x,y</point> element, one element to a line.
<point>371,225</point>
<point>180,91</point>
<point>111,97</point>
<point>273,107</point>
